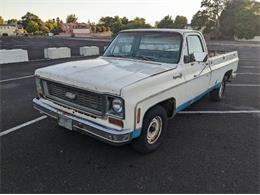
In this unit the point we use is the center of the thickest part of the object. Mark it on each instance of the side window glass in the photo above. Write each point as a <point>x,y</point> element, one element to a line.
<point>194,45</point>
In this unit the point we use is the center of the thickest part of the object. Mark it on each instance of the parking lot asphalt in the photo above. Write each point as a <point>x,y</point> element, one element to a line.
<point>202,153</point>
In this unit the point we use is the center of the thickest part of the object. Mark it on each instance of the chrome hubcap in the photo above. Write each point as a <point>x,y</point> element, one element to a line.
<point>221,90</point>
<point>154,130</point>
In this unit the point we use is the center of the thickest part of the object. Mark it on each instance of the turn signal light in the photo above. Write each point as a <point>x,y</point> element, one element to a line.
<point>138,116</point>
<point>116,122</point>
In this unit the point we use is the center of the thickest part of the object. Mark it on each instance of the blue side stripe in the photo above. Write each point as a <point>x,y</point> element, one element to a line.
<point>187,104</point>
<point>137,133</point>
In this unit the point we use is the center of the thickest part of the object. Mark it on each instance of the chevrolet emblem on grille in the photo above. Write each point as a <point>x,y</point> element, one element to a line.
<point>70,95</point>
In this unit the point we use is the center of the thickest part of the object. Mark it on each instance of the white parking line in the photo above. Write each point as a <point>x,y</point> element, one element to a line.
<point>223,112</point>
<point>248,60</point>
<point>250,67</point>
<point>243,85</point>
<point>248,73</point>
<point>22,125</point>
<point>17,78</point>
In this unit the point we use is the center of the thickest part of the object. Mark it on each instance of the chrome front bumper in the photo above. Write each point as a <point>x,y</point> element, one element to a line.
<point>93,129</point>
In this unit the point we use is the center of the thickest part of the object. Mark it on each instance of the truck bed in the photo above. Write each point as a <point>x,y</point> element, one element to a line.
<point>220,58</point>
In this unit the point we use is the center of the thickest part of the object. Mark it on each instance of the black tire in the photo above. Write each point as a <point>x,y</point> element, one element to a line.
<point>217,94</point>
<point>145,144</point>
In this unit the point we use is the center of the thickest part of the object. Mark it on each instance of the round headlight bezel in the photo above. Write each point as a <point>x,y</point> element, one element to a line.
<point>117,105</point>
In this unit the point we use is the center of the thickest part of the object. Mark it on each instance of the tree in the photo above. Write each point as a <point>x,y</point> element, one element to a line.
<point>180,22</point>
<point>50,24</point>
<point>71,18</point>
<point>213,8</point>
<point>99,29</point>
<point>93,28</point>
<point>247,26</point>
<point>53,26</point>
<point>44,29</point>
<point>137,23</point>
<point>32,23</point>
<point>12,22</point>
<point>241,19</point>
<point>117,25</point>
<point>124,20</point>
<point>114,23</point>
<point>199,20</point>
<point>30,17</point>
<point>107,21</point>
<point>108,29</point>
<point>58,28</point>
<point>166,22</point>
<point>104,29</point>
<point>1,20</point>
<point>32,27</point>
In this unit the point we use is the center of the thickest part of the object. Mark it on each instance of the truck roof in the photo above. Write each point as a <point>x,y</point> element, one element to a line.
<point>160,30</point>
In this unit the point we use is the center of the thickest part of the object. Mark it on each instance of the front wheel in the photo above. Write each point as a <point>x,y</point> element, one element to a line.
<point>153,131</point>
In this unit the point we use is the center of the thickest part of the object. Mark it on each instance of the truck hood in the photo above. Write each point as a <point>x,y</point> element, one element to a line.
<point>106,75</point>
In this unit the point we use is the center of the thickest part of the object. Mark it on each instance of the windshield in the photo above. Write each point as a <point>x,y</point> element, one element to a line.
<point>151,46</point>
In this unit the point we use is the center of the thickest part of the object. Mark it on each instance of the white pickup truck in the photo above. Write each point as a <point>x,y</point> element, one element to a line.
<point>144,78</point>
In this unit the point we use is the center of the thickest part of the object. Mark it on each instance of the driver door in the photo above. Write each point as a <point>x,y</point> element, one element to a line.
<point>198,72</point>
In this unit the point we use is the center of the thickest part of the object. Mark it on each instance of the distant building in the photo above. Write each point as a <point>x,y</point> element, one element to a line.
<point>8,30</point>
<point>75,29</point>
<point>11,30</point>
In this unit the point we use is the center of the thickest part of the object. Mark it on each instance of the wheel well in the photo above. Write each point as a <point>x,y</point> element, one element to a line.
<point>169,105</point>
<point>228,75</point>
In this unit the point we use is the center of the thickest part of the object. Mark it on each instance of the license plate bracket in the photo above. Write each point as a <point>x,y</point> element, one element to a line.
<point>65,122</point>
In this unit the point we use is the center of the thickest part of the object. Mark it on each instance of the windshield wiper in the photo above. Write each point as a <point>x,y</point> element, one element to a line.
<point>117,56</point>
<point>147,58</point>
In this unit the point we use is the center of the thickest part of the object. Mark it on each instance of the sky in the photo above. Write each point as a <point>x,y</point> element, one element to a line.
<point>93,10</point>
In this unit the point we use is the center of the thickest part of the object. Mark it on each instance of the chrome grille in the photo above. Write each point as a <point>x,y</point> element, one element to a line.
<point>85,100</point>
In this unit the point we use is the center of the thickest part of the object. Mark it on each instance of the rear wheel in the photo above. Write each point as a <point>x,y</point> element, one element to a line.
<point>153,131</point>
<point>217,94</point>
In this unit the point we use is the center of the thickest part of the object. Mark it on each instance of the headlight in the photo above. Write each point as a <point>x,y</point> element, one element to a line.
<point>117,105</point>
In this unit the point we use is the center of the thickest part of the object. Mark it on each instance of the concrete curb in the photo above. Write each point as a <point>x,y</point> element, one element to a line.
<point>21,55</point>
<point>57,53</point>
<point>13,55</point>
<point>89,51</point>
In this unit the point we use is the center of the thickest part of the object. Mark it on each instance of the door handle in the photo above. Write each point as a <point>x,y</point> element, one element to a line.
<point>177,76</point>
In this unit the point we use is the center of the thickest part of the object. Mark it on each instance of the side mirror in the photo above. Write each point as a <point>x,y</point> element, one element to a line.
<point>186,59</point>
<point>200,56</point>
